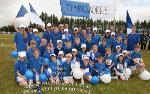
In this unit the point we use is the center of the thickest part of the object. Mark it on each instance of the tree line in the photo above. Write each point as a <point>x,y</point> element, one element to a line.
<point>82,22</point>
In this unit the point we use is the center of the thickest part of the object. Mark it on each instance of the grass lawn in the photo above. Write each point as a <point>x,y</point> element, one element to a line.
<point>8,86</point>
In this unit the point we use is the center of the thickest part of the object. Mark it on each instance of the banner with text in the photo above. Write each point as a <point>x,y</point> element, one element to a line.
<point>104,9</point>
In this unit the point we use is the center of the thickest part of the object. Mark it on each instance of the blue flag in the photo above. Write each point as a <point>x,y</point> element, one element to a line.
<point>128,21</point>
<point>21,12</point>
<point>73,8</point>
<point>32,9</point>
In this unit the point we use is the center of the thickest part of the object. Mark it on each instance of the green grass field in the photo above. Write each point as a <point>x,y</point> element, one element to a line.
<point>8,86</point>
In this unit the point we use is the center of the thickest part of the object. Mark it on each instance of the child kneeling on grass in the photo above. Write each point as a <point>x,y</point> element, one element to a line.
<point>87,68</point>
<point>66,69</point>
<point>37,63</point>
<point>20,69</point>
<point>53,66</point>
<point>100,67</point>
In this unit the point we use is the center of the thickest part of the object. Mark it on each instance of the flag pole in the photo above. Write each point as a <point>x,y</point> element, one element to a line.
<point>114,22</point>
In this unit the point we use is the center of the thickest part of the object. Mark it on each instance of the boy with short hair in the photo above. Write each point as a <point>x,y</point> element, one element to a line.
<point>100,67</point>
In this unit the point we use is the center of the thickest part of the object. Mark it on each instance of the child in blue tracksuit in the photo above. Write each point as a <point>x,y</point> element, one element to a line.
<point>68,47</point>
<point>53,65</point>
<point>66,66</point>
<point>127,57</point>
<point>94,54</point>
<point>136,59</point>
<point>74,36</point>
<point>66,36</point>
<point>121,66</point>
<point>55,36</point>
<point>59,47</point>
<point>117,51</point>
<point>133,39</point>
<point>108,38</point>
<point>113,38</point>
<point>110,59</point>
<point>83,36</point>
<point>75,56</point>
<point>96,38</point>
<point>37,65</point>
<point>89,43</point>
<point>120,43</point>
<point>49,50</point>
<point>36,37</point>
<point>87,68</point>
<point>29,34</point>
<point>42,47</point>
<point>30,50</point>
<point>102,47</point>
<point>61,58</point>
<point>121,34</point>
<point>77,44</point>
<point>83,52</point>
<point>47,33</point>
<point>20,39</point>
<point>21,67</point>
<point>100,67</point>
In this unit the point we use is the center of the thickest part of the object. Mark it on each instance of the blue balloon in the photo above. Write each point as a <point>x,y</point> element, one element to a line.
<point>94,80</point>
<point>43,78</point>
<point>14,54</point>
<point>29,75</point>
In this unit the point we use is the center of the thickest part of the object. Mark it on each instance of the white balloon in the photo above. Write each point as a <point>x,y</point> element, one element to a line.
<point>77,73</point>
<point>145,75</point>
<point>106,78</point>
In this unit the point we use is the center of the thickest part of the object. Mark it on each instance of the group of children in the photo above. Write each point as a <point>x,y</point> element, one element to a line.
<point>61,49</point>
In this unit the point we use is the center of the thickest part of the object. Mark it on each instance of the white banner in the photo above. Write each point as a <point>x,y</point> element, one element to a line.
<point>102,9</point>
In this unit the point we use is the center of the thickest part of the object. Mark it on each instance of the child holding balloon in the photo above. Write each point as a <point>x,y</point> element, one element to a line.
<point>100,67</point>
<point>53,70</point>
<point>66,66</point>
<point>87,68</point>
<point>37,65</point>
<point>122,69</point>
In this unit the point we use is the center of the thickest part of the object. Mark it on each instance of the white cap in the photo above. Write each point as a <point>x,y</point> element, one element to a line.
<point>83,45</point>
<point>107,31</point>
<point>65,30</point>
<point>74,50</point>
<point>118,46</point>
<point>125,51</point>
<point>35,30</point>
<point>61,25</point>
<point>75,28</point>
<point>120,54</point>
<point>58,41</point>
<point>52,55</point>
<point>112,33</point>
<point>49,24</point>
<point>85,57</point>
<point>94,28</point>
<point>22,54</point>
<point>21,26</point>
<point>60,53</point>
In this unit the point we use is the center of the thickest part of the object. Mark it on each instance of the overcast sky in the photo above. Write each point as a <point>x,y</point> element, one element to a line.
<point>138,9</point>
